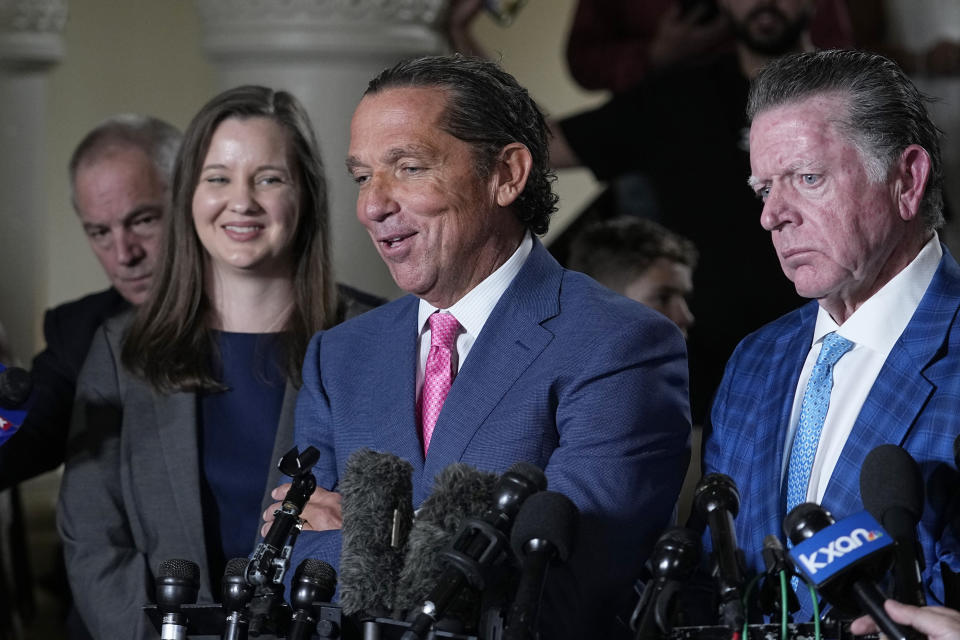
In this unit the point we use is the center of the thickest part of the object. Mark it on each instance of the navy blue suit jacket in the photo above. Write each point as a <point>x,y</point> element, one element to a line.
<point>565,374</point>
<point>40,443</point>
<point>914,403</point>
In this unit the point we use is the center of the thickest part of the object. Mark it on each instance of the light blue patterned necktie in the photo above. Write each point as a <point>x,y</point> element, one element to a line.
<point>813,411</point>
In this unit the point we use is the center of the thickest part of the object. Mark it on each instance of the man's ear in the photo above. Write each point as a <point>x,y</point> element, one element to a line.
<point>912,173</point>
<point>511,172</point>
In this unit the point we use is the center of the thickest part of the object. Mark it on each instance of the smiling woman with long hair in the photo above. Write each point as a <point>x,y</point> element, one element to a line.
<point>183,410</point>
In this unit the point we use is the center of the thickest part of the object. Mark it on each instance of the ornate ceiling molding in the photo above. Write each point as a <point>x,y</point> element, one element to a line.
<point>30,32</point>
<point>284,28</point>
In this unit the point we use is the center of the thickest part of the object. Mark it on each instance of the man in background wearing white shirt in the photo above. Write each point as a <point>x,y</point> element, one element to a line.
<point>847,162</point>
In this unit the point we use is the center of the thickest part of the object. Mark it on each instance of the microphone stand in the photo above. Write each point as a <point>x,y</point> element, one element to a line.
<point>271,559</point>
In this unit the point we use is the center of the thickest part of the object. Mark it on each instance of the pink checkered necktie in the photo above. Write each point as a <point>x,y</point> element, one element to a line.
<point>438,374</point>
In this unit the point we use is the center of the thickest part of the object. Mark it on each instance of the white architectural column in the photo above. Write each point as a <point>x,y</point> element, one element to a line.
<point>324,52</point>
<point>30,44</point>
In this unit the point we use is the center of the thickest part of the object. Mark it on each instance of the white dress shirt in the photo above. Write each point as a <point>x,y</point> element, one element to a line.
<point>471,311</point>
<point>873,328</point>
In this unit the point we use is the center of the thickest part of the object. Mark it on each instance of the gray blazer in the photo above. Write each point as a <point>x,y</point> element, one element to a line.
<point>130,498</point>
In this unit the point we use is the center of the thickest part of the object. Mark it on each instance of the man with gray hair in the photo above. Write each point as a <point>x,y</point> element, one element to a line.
<point>119,180</point>
<point>847,163</point>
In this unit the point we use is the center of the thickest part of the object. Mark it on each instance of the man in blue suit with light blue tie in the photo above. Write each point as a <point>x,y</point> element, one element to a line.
<point>847,162</point>
<point>499,355</point>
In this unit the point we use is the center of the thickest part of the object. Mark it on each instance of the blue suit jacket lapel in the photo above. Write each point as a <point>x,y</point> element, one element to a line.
<point>510,341</point>
<point>902,388</point>
<point>777,404</point>
<point>395,390</point>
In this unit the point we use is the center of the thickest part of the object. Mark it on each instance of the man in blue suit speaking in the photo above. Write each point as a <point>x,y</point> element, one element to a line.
<point>499,355</point>
<point>847,163</point>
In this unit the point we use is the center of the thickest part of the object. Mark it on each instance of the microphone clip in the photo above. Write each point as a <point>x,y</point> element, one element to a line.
<point>772,592</point>
<point>298,465</point>
<point>477,547</point>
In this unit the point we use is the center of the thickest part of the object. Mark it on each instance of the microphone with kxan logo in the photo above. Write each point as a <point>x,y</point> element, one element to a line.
<point>843,560</point>
<point>16,397</point>
<point>838,546</point>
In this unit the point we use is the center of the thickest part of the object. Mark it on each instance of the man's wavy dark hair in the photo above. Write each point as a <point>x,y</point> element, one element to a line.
<point>488,109</point>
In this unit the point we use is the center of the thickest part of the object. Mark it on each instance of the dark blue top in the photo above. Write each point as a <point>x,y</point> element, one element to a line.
<point>236,437</point>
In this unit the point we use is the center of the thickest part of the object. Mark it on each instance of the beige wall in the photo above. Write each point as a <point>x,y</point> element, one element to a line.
<point>136,55</point>
<point>533,50</point>
<point>145,56</point>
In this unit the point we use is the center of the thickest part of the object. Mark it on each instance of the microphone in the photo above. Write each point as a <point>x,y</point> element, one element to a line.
<point>178,583</point>
<point>459,492</point>
<point>891,487</point>
<point>717,501</point>
<point>480,544</point>
<point>313,581</point>
<point>377,496</point>
<point>545,530</point>
<point>16,387</point>
<point>843,560</point>
<point>675,556</point>
<point>236,595</point>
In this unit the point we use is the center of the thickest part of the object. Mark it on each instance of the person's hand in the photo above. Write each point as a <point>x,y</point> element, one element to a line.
<point>682,37</point>
<point>937,623</point>
<point>321,513</point>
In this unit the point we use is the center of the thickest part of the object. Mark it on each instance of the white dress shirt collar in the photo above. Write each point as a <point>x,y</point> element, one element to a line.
<point>879,322</point>
<point>874,328</point>
<point>473,309</point>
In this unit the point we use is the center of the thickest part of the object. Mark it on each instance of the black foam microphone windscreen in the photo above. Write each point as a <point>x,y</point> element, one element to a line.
<point>891,487</point>
<point>547,518</point>
<point>377,494</point>
<point>459,491</point>
<point>545,530</point>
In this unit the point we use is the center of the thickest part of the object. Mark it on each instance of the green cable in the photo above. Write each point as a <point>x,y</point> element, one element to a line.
<point>784,630</point>
<point>744,599</point>
<point>783,605</point>
<point>816,611</point>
